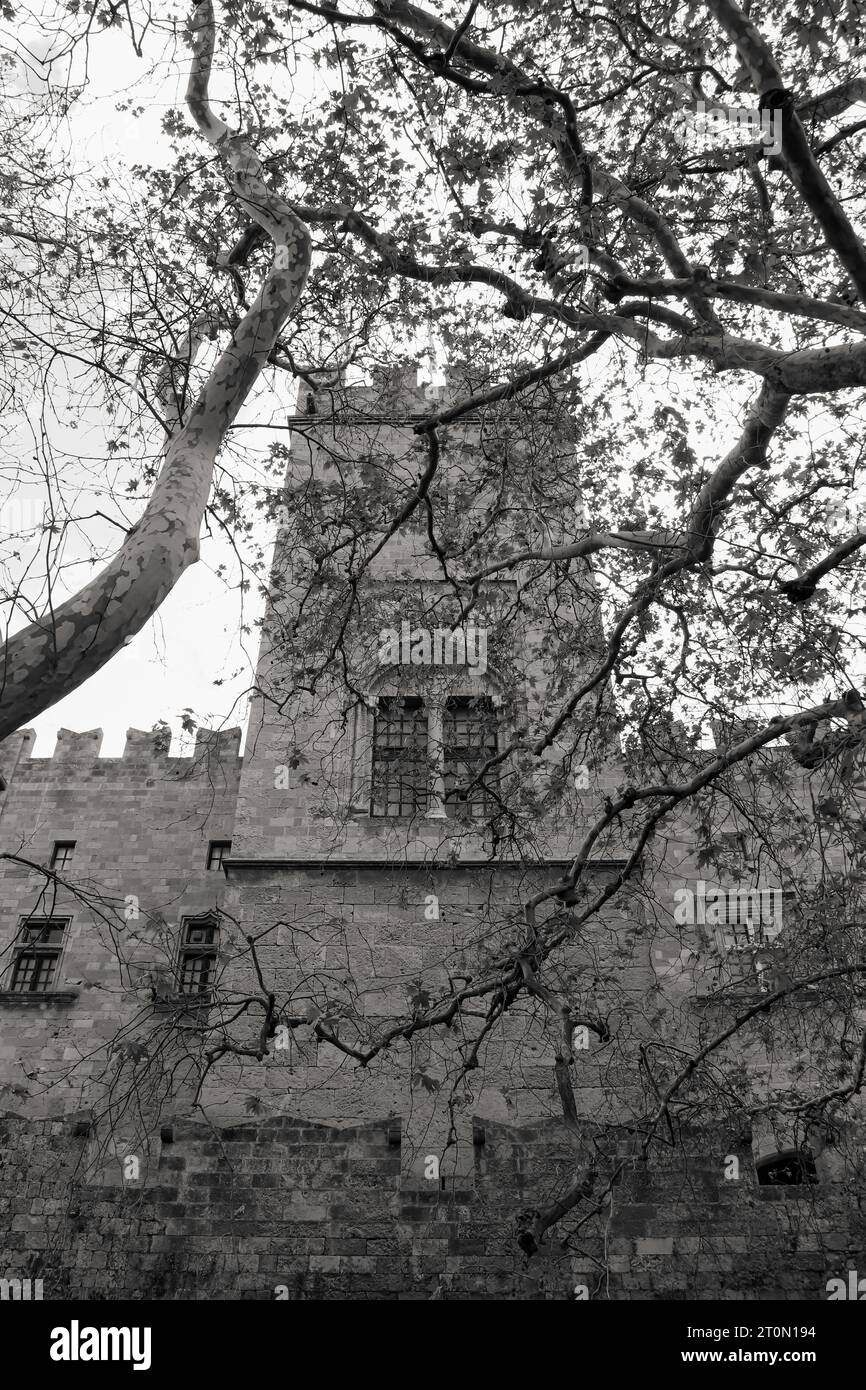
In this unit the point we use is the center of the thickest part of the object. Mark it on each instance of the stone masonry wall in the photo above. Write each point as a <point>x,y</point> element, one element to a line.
<point>308,1177</point>
<point>141,825</point>
<point>287,1209</point>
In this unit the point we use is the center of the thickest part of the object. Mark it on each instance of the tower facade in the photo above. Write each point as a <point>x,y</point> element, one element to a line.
<point>404,793</point>
<point>369,1011</point>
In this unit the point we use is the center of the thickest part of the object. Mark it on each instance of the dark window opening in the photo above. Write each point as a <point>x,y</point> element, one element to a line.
<point>399,770</point>
<point>198,955</point>
<point>739,914</point>
<point>62,853</point>
<point>37,955</point>
<point>791,1168</point>
<point>771,976</point>
<point>736,841</point>
<point>750,917</point>
<point>469,740</point>
<point>217,852</point>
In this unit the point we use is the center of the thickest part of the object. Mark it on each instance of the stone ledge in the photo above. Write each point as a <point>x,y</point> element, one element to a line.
<point>59,996</point>
<point>185,1005</point>
<point>737,997</point>
<point>323,865</point>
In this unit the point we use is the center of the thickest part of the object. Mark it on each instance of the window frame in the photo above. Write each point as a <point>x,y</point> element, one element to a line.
<point>61,846</point>
<point>737,937</point>
<point>481,796</point>
<point>216,860</point>
<point>365,785</point>
<point>195,951</point>
<point>741,932</point>
<point>23,949</point>
<point>420,763</point>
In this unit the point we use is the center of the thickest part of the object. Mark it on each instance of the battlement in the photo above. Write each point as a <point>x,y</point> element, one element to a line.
<point>287,1207</point>
<point>391,394</point>
<point>150,747</point>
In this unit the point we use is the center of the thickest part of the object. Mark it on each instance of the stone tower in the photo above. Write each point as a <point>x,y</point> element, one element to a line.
<point>278,1026</point>
<point>365,880</point>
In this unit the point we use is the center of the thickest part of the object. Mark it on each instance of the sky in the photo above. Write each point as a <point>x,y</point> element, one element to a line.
<point>196,639</point>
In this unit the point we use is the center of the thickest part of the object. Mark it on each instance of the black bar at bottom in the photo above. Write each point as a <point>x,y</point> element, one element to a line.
<point>289,1339</point>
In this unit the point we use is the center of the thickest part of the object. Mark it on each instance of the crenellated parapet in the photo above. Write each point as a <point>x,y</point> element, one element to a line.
<point>145,750</point>
<point>72,746</point>
<point>12,749</point>
<point>392,395</point>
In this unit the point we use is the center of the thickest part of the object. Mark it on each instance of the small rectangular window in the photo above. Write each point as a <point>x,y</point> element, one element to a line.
<point>469,739</point>
<point>400,771</point>
<point>36,955</point>
<point>746,923</point>
<point>62,853</point>
<point>749,917</point>
<point>198,956</point>
<point>217,851</point>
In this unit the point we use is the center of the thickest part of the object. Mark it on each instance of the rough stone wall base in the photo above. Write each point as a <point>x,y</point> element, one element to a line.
<point>283,1208</point>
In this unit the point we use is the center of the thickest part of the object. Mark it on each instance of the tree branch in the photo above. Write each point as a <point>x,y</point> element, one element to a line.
<point>57,653</point>
<point>797,158</point>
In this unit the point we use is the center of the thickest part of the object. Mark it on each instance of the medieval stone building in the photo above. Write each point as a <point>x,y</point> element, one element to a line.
<point>218,1072</point>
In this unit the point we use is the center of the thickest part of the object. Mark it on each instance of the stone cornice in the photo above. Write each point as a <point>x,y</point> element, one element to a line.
<point>385,864</point>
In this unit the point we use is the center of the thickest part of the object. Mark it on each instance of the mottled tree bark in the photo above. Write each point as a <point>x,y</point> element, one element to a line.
<point>68,644</point>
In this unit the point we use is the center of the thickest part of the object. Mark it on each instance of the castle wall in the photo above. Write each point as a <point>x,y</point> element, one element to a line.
<point>364,946</point>
<point>310,1177</point>
<point>287,1209</point>
<point>305,787</point>
<point>142,824</point>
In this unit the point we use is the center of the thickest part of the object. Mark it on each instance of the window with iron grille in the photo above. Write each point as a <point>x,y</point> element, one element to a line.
<point>747,923</point>
<point>36,955</point>
<point>469,740</point>
<point>750,916</point>
<point>198,955</point>
<point>62,853</point>
<point>217,851</point>
<point>400,769</point>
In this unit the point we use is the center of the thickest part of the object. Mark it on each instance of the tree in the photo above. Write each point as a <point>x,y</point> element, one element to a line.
<point>52,656</point>
<point>529,189</point>
<point>400,67</point>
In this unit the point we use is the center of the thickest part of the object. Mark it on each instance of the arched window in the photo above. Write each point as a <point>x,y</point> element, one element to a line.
<point>423,751</point>
<point>399,773</point>
<point>468,741</point>
<point>788,1168</point>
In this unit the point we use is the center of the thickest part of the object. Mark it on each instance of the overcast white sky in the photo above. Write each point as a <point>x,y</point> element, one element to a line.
<point>195,639</point>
